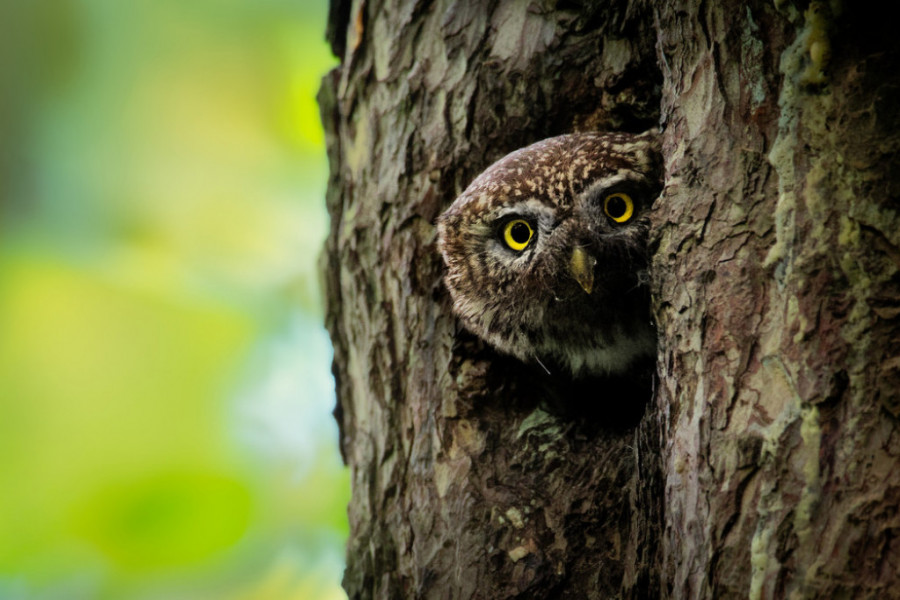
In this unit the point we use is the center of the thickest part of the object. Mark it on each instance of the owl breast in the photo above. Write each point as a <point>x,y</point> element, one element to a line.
<point>546,256</point>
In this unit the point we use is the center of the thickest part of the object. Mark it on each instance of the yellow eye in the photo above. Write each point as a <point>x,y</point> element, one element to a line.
<point>517,234</point>
<point>618,207</point>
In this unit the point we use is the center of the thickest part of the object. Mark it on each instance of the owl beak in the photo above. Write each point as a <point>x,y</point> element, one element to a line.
<point>581,266</point>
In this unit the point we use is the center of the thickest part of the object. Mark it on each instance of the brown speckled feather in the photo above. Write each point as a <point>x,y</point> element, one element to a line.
<point>534,303</point>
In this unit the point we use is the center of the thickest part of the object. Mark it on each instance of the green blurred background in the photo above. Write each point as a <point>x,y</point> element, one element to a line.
<point>165,387</point>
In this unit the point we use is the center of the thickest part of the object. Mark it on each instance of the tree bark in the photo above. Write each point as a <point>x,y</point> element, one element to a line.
<point>765,461</point>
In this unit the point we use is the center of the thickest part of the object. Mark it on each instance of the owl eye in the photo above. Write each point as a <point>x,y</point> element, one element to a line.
<point>517,234</point>
<point>619,207</point>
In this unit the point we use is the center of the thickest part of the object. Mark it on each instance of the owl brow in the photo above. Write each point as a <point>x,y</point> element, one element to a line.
<point>531,204</point>
<point>622,176</point>
<point>640,191</point>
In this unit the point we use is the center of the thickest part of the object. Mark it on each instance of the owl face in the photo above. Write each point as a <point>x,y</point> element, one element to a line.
<point>546,252</point>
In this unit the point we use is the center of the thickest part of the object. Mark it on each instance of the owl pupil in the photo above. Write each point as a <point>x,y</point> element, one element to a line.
<point>615,207</point>
<point>520,233</point>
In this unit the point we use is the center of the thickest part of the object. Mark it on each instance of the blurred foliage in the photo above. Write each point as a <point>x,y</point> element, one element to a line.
<point>165,394</point>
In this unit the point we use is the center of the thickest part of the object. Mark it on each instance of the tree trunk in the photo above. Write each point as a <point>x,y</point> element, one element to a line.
<point>764,463</point>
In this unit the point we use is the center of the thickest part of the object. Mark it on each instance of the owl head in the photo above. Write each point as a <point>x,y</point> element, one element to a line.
<point>546,256</point>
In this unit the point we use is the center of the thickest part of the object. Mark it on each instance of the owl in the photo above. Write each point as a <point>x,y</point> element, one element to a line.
<point>546,252</point>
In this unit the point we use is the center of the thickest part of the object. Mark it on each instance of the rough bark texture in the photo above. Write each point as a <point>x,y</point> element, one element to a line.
<point>766,463</point>
<point>778,293</point>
